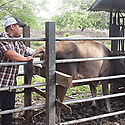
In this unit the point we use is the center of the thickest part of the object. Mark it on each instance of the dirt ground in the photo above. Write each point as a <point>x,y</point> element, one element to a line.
<point>82,110</point>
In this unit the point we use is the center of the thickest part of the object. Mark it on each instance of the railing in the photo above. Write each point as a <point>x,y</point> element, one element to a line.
<point>50,76</point>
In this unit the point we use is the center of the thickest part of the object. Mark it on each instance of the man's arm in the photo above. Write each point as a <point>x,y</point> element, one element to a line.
<point>12,55</point>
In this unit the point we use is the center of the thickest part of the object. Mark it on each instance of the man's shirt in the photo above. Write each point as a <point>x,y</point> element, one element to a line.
<point>8,73</point>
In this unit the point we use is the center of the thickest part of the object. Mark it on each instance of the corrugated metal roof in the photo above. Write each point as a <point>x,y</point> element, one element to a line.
<point>107,5</point>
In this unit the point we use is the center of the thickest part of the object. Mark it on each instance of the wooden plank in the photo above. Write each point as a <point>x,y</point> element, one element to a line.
<point>61,78</point>
<point>58,103</point>
<point>38,91</point>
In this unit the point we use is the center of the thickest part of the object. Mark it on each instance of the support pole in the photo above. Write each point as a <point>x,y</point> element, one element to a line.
<point>27,78</point>
<point>50,73</point>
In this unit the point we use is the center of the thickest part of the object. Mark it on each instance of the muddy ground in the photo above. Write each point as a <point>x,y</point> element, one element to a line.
<point>82,110</point>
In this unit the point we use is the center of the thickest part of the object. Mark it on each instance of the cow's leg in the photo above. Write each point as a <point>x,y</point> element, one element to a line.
<point>93,91</point>
<point>60,94</point>
<point>106,92</point>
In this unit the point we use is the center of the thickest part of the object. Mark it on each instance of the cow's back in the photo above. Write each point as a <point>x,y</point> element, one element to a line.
<point>67,50</point>
<point>92,49</point>
<point>83,49</point>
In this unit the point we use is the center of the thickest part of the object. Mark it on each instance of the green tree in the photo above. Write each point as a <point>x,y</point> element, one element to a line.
<point>72,20</point>
<point>25,10</point>
<point>75,14</point>
<point>68,5</point>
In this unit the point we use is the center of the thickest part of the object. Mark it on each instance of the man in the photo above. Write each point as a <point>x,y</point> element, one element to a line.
<point>11,51</point>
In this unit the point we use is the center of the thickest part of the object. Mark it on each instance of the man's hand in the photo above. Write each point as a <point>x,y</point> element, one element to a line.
<point>29,58</point>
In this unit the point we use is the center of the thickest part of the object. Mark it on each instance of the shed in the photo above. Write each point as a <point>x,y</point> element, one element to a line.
<point>108,5</point>
<point>116,8</point>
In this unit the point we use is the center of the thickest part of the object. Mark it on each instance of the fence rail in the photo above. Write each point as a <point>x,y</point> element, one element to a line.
<point>89,59</point>
<point>92,39</point>
<point>22,86</point>
<point>22,109</point>
<point>63,39</point>
<point>93,98</point>
<point>92,118</point>
<point>20,63</point>
<point>23,39</point>
<point>50,101</point>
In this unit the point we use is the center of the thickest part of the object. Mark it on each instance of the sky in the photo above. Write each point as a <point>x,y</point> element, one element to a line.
<point>52,9</point>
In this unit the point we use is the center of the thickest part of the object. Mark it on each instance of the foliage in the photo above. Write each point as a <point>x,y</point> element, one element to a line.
<point>66,34</point>
<point>68,5</point>
<point>36,44</point>
<point>25,10</point>
<point>75,15</point>
<point>82,20</point>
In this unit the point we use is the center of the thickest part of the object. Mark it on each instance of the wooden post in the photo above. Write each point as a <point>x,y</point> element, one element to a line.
<point>50,73</point>
<point>27,78</point>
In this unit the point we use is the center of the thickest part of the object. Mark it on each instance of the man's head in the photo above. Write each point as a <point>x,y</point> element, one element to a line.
<point>14,27</point>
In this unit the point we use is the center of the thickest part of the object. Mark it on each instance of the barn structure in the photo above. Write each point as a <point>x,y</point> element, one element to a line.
<point>116,8</point>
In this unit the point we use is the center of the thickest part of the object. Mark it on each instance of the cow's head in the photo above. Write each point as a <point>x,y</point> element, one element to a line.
<point>40,51</point>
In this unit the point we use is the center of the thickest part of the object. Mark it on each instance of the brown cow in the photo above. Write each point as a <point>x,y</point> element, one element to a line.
<point>80,70</point>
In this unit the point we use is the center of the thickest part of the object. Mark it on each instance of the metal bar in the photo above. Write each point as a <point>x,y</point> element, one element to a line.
<point>63,39</point>
<point>92,118</point>
<point>21,86</point>
<point>23,39</point>
<point>21,63</point>
<point>98,79</point>
<point>50,73</point>
<point>13,63</point>
<point>65,60</point>
<point>93,98</point>
<point>92,38</point>
<point>22,109</point>
<point>110,23</point>
<point>89,59</point>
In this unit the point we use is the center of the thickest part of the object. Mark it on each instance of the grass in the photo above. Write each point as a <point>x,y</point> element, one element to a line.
<point>81,92</point>
<point>72,93</point>
<point>35,96</point>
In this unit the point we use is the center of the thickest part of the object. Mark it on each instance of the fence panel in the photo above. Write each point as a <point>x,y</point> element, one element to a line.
<point>50,74</point>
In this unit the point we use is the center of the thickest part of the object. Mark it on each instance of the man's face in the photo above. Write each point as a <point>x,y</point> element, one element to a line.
<point>17,31</point>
